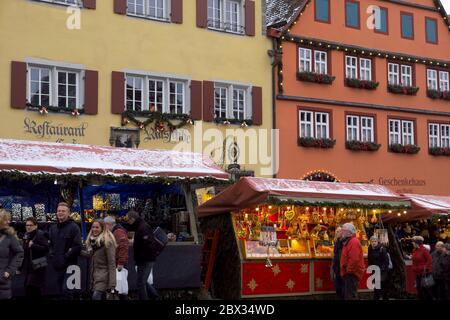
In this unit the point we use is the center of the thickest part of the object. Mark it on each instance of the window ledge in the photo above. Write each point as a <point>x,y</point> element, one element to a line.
<point>166,20</point>
<point>361,84</point>
<point>399,89</point>
<point>408,149</point>
<point>227,31</point>
<point>77,5</point>
<point>362,146</point>
<point>315,77</point>
<point>436,94</point>
<point>324,143</point>
<point>438,151</point>
<point>53,109</point>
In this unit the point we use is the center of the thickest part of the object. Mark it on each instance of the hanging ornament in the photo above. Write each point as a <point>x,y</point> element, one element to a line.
<point>141,126</point>
<point>43,110</point>
<point>125,121</point>
<point>75,112</point>
<point>189,121</point>
<point>244,124</point>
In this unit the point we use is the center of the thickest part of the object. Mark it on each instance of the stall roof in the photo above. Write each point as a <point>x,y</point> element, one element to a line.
<point>423,206</point>
<point>251,191</point>
<point>35,157</point>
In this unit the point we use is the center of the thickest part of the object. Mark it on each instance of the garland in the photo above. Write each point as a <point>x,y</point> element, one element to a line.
<point>437,151</point>
<point>399,89</point>
<point>243,123</point>
<point>315,77</point>
<point>362,146</point>
<point>353,205</point>
<point>409,148</point>
<point>160,119</point>
<point>361,84</point>
<point>45,109</point>
<point>316,143</point>
<point>320,176</point>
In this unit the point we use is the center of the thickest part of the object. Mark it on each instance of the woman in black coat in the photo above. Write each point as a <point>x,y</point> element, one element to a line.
<point>35,245</point>
<point>378,256</point>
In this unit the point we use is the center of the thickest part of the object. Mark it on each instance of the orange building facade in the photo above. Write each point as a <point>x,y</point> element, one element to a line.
<point>362,93</point>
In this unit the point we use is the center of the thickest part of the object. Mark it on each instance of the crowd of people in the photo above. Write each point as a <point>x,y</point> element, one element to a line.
<point>106,247</point>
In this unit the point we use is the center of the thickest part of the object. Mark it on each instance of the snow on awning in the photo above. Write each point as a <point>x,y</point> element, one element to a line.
<point>33,157</point>
<point>423,207</point>
<point>251,191</point>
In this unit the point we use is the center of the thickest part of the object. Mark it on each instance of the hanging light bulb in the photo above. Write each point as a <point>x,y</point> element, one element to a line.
<point>55,182</point>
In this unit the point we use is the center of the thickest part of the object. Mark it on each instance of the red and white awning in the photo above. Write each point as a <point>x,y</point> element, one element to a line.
<point>35,157</point>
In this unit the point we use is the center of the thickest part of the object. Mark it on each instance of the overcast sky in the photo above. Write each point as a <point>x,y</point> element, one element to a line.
<point>446,4</point>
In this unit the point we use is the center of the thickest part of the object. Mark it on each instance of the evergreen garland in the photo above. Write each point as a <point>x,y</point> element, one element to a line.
<point>160,119</point>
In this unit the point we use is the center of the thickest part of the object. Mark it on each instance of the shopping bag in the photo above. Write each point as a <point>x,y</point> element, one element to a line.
<point>150,278</point>
<point>122,281</point>
<point>427,280</point>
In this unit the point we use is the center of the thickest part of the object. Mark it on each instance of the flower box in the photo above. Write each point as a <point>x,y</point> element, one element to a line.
<point>362,146</point>
<point>398,89</point>
<point>437,151</point>
<point>409,148</point>
<point>315,77</point>
<point>445,95</point>
<point>316,143</point>
<point>361,84</point>
<point>433,94</point>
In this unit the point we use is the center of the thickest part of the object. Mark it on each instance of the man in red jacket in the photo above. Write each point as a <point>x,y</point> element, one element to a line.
<point>352,262</point>
<point>422,264</point>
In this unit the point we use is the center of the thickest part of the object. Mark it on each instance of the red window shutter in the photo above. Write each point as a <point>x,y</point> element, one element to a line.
<point>249,17</point>
<point>196,100</point>
<point>120,6</point>
<point>208,101</point>
<point>177,11</point>
<point>202,13</point>
<point>257,105</point>
<point>90,92</point>
<point>118,92</point>
<point>18,85</point>
<point>90,4</point>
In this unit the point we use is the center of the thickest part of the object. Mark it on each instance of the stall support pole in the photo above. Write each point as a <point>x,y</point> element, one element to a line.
<point>80,196</point>
<point>190,207</point>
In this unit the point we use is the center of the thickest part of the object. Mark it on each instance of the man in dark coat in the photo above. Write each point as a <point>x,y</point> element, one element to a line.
<point>336,265</point>
<point>445,267</point>
<point>144,254</point>
<point>65,246</point>
<point>378,256</point>
<point>438,276</point>
<point>35,246</point>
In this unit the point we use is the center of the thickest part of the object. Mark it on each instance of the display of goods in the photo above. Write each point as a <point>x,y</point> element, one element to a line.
<point>16,212</point>
<point>27,212</point>
<point>39,209</point>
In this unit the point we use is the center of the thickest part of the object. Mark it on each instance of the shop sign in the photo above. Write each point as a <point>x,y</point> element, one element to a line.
<point>175,136</point>
<point>48,129</point>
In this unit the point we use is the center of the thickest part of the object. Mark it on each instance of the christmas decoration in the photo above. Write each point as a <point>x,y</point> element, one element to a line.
<point>362,146</point>
<point>75,112</point>
<point>399,89</point>
<point>157,118</point>
<point>409,148</point>
<point>315,77</point>
<point>361,84</point>
<point>43,110</point>
<point>39,209</point>
<point>316,143</point>
<point>27,212</point>
<point>354,204</point>
<point>320,175</point>
<point>437,151</point>
<point>46,109</point>
<point>226,121</point>
<point>16,212</point>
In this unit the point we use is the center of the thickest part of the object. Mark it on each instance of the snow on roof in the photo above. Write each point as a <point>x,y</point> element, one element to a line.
<point>282,10</point>
<point>431,202</point>
<point>45,157</point>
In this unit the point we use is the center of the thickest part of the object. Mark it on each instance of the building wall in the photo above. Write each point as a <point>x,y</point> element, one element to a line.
<point>110,42</point>
<point>413,173</point>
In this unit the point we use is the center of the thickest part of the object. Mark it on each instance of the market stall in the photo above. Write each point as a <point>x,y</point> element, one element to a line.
<point>98,181</point>
<point>278,240</point>
<point>428,217</point>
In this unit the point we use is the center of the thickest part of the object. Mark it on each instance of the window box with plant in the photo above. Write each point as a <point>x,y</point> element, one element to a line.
<point>438,84</point>
<point>438,151</point>
<point>399,89</point>
<point>361,84</point>
<point>362,146</point>
<point>315,77</point>
<point>408,148</point>
<point>310,142</point>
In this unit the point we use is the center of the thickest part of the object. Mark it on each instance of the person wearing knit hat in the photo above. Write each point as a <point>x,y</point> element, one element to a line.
<point>421,265</point>
<point>352,262</point>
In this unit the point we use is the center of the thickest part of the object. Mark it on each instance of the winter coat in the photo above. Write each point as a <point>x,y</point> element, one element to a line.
<point>445,266</point>
<point>39,249</point>
<point>352,258</point>
<point>338,245</point>
<point>103,268</point>
<point>378,256</point>
<point>121,236</point>
<point>65,244</point>
<point>437,270</point>
<point>421,260</point>
<point>11,257</point>
<point>144,243</point>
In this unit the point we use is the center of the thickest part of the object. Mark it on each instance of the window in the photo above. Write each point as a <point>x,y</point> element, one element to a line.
<point>431,30</point>
<point>314,124</point>
<point>400,74</point>
<point>66,2</point>
<point>432,79</point>
<point>322,10</point>
<point>381,20</point>
<point>352,14</point>
<point>309,58</point>
<point>401,132</point>
<point>439,135</point>
<point>360,128</point>
<point>156,93</point>
<point>153,9</point>
<point>351,68</point>
<point>437,80</point>
<point>226,15</point>
<point>54,86</point>
<point>443,81</point>
<point>407,25</point>
<point>232,102</point>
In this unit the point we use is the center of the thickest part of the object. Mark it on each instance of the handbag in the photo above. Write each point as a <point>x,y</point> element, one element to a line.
<point>38,263</point>
<point>427,280</point>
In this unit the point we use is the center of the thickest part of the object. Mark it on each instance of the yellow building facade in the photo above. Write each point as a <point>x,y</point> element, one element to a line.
<point>196,59</point>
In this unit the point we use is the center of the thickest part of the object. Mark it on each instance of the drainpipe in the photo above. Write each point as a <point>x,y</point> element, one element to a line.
<point>274,123</point>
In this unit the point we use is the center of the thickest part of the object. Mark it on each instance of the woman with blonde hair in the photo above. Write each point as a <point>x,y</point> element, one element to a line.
<point>11,255</point>
<point>101,247</point>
